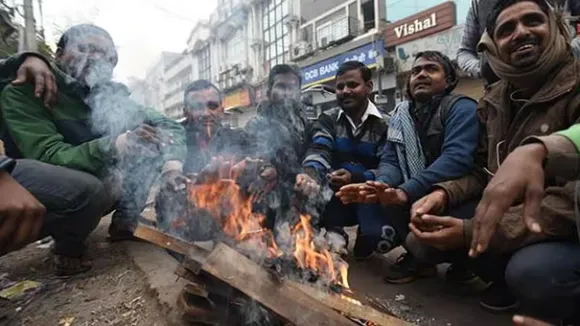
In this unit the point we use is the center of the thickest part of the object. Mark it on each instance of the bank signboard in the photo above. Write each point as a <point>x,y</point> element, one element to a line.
<point>326,70</point>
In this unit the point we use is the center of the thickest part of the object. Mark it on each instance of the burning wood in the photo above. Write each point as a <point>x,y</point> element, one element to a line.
<point>301,254</point>
<point>294,302</point>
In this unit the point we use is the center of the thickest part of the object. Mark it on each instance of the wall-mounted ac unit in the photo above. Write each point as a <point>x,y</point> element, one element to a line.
<point>300,49</point>
<point>389,64</point>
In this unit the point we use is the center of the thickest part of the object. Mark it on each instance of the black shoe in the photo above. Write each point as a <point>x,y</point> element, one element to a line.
<point>119,231</point>
<point>460,275</point>
<point>364,249</point>
<point>407,269</point>
<point>497,298</point>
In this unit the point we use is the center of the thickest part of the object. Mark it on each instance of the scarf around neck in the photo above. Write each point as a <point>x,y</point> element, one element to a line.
<point>556,51</point>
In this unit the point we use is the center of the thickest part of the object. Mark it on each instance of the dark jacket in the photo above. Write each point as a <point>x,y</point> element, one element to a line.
<point>200,148</point>
<point>335,147</point>
<point>554,107</point>
<point>448,138</point>
<point>280,136</point>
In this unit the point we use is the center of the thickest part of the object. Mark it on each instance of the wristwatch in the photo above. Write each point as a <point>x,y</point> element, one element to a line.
<point>7,164</point>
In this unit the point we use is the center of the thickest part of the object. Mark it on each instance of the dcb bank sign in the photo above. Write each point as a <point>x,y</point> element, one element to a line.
<point>325,70</point>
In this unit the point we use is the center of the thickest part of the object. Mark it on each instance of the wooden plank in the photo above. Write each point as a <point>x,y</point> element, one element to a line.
<point>286,301</point>
<point>172,243</point>
<point>348,308</point>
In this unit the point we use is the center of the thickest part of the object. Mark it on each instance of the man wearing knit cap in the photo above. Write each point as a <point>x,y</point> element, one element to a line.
<point>528,46</point>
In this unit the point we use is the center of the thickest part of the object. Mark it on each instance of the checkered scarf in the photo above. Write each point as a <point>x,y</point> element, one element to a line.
<point>403,135</point>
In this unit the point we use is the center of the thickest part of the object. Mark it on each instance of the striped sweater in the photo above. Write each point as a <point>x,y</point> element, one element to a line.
<point>334,146</point>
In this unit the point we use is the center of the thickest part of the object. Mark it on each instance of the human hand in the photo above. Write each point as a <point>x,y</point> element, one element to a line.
<point>521,175</point>
<point>339,178</point>
<point>174,180</point>
<point>388,196</point>
<point>21,215</point>
<point>444,233</point>
<point>528,321</point>
<point>357,193</point>
<point>265,183</point>
<point>37,72</point>
<point>434,203</point>
<point>306,185</point>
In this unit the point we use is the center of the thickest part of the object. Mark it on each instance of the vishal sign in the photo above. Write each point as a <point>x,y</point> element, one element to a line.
<point>425,23</point>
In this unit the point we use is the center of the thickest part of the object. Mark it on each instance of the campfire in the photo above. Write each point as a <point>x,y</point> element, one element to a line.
<point>301,257</point>
<point>233,211</point>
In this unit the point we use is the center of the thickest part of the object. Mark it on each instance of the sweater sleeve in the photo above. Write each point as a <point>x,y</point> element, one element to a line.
<point>319,153</point>
<point>389,170</point>
<point>573,134</point>
<point>32,128</point>
<point>467,57</point>
<point>456,159</point>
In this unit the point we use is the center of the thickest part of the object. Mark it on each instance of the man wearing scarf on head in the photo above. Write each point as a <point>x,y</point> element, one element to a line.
<point>527,46</point>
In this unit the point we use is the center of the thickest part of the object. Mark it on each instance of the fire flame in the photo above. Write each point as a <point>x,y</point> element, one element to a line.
<point>233,210</point>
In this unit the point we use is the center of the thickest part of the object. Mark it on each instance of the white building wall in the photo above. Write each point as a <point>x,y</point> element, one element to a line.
<point>178,74</point>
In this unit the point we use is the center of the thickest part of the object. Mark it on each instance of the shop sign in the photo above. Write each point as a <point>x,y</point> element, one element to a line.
<point>236,99</point>
<point>326,70</point>
<point>423,24</point>
<point>446,42</point>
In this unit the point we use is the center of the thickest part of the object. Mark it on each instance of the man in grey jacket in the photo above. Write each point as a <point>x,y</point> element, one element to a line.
<point>467,56</point>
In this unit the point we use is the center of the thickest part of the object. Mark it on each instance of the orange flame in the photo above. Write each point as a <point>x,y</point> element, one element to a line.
<point>308,256</point>
<point>225,201</point>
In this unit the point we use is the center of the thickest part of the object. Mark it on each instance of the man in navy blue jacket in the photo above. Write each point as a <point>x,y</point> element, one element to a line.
<point>431,138</point>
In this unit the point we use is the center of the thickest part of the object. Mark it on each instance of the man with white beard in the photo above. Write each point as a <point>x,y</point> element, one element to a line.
<point>97,134</point>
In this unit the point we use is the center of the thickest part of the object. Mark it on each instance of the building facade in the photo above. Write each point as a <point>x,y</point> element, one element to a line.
<point>324,34</point>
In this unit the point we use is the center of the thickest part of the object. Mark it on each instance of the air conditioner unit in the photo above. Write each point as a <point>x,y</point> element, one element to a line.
<point>301,49</point>
<point>389,64</point>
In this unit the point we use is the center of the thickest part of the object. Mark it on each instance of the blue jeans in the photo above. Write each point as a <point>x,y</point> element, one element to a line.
<point>373,224</point>
<point>545,277</point>
<point>75,202</point>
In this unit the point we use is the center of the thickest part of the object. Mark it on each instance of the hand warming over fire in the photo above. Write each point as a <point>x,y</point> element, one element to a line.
<point>144,140</point>
<point>339,178</point>
<point>444,233</point>
<point>174,180</point>
<point>306,185</point>
<point>266,182</point>
<point>357,193</point>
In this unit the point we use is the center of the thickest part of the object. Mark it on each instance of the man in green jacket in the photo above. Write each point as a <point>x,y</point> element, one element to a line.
<point>95,127</point>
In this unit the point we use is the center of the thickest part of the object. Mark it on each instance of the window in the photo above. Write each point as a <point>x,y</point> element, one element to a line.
<point>204,63</point>
<point>235,48</point>
<point>275,32</point>
<point>401,9</point>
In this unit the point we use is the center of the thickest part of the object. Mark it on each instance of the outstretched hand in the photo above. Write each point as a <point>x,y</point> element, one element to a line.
<point>521,175</point>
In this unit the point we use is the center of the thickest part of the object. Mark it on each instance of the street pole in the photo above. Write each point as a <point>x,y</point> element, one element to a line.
<point>30,29</point>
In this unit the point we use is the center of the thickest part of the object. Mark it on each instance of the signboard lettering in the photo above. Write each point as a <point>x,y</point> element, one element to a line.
<point>325,69</point>
<point>417,26</point>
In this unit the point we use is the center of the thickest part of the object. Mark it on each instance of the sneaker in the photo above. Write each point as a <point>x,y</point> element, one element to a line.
<point>65,266</point>
<point>407,269</point>
<point>497,299</point>
<point>460,275</point>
